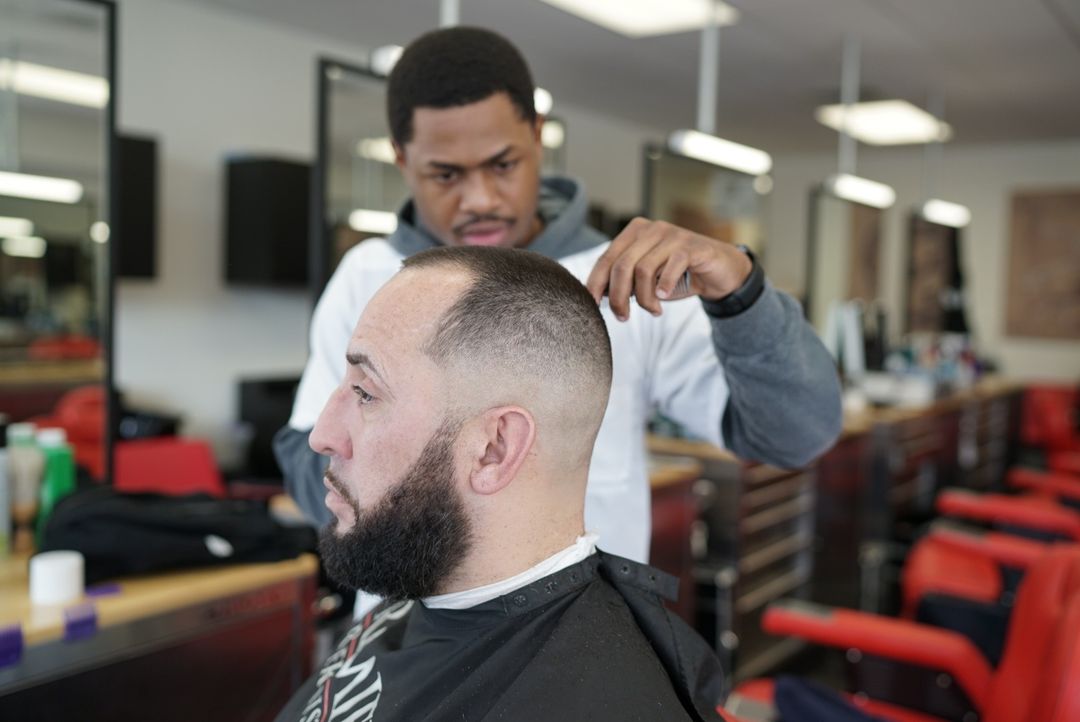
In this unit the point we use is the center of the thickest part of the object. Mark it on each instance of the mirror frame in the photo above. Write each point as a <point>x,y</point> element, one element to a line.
<point>318,251</point>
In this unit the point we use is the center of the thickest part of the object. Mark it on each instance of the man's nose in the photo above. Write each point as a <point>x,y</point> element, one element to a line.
<point>479,196</point>
<point>330,436</point>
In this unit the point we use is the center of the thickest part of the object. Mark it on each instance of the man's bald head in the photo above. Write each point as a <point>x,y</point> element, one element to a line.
<point>524,331</point>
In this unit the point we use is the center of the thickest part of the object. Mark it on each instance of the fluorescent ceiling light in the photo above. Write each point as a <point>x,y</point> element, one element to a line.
<point>542,101</point>
<point>367,221</point>
<point>24,246</point>
<point>553,134</point>
<point>720,152</point>
<point>884,122</point>
<point>861,190</point>
<point>384,59</point>
<point>10,226</point>
<point>945,213</point>
<point>640,18</point>
<point>377,149</point>
<point>39,187</point>
<point>42,81</point>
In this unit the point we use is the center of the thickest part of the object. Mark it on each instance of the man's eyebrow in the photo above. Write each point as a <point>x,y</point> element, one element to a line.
<point>439,165</point>
<point>362,359</point>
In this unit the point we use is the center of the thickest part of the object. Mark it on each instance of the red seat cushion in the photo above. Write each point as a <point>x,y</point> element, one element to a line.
<point>167,465</point>
<point>936,568</point>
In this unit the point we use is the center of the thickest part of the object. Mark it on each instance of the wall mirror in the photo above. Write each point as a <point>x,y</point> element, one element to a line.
<point>843,255</point>
<point>935,287</point>
<point>56,141</point>
<point>704,198</point>
<point>356,188</point>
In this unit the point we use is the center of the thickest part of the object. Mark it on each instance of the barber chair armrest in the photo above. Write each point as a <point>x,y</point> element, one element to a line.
<point>1029,513</point>
<point>1045,482</point>
<point>899,640</point>
<point>1004,549</point>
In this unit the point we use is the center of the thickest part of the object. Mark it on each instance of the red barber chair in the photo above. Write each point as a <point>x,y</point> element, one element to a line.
<point>965,580</point>
<point>167,465</point>
<point>918,673</point>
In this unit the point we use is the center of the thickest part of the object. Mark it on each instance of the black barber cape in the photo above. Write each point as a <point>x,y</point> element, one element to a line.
<point>591,641</point>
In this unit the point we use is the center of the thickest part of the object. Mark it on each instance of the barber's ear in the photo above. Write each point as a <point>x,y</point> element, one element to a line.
<point>508,433</point>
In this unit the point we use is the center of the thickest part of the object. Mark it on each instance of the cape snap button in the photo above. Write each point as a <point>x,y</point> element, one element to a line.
<point>521,600</point>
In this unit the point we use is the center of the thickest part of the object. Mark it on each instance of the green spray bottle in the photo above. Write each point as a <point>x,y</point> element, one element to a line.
<point>59,478</point>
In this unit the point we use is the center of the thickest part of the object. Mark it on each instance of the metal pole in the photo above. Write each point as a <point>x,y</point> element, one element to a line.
<point>935,104</point>
<point>849,95</point>
<point>449,13</point>
<point>708,73</point>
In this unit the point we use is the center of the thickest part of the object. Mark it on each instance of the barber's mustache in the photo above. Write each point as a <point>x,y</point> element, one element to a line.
<point>486,218</point>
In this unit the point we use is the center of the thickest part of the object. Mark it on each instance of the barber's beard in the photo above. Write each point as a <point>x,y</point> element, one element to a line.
<point>415,536</point>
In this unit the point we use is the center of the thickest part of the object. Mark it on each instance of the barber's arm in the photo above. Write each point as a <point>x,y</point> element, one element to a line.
<point>784,406</point>
<point>331,327</point>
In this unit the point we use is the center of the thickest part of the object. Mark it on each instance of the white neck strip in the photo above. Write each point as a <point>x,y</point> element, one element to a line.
<point>584,547</point>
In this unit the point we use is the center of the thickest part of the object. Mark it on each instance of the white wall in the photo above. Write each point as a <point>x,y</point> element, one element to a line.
<point>982,178</point>
<point>207,83</point>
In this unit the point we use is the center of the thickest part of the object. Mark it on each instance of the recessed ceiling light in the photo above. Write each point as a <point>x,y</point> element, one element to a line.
<point>641,18</point>
<point>42,81</point>
<point>884,122</point>
<point>945,213</point>
<point>720,152</point>
<point>39,187</point>
<point>861,190</point>
<point>99,232</point>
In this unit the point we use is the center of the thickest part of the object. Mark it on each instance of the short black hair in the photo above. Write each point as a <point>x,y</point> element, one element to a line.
<point>452,67</point>
<point>526,313</point>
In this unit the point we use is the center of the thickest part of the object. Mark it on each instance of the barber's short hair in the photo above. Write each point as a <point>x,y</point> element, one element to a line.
<point>453,67</point>
<point>523,313</point>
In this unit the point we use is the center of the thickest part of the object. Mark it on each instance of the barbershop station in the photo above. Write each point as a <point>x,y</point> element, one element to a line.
<point>539,361</point>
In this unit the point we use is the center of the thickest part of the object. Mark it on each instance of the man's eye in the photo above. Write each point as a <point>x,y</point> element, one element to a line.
<point>365,397</point>
<point>448,176</point>
<point>505,166</point>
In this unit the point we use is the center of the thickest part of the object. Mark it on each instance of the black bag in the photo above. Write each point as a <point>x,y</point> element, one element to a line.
<point>123,534</point>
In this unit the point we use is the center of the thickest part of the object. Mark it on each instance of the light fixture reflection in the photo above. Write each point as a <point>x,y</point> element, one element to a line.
<point>367,221</point>
<point>720,152</point>
<point>861,190</point>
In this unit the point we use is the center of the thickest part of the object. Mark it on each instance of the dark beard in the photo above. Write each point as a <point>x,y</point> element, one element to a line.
<point>414,538</point>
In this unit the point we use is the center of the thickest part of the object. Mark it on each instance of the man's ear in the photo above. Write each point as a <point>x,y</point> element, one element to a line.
<point>507,434</point>
<point>399,155</point>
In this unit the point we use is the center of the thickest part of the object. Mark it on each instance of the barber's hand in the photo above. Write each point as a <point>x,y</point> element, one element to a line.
<point>648,259</point>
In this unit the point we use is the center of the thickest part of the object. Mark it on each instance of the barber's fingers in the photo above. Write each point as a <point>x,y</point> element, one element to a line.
<point>600,276</point>
<point>658,272</point>
<point>625,275</point>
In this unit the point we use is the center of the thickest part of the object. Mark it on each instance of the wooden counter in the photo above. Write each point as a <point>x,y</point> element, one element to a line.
<point>210,644</point>
<point>140,597</point>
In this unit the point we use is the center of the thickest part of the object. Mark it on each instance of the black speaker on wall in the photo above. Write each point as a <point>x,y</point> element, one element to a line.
<point>135,227</point>
<point>266,224</point>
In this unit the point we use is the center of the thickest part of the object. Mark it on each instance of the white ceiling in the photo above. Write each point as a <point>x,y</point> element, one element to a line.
<point>1009,69</point>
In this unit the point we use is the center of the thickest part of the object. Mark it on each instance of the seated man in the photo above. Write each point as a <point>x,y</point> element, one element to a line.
<point>459,446</point>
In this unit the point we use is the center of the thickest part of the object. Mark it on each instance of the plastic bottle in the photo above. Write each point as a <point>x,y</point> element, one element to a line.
<point>59,478</point>
<point>25,464</point>
<point>5,492</point>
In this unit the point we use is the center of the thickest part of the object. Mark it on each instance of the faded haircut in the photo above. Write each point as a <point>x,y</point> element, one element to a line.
<point>525,314</point>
